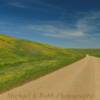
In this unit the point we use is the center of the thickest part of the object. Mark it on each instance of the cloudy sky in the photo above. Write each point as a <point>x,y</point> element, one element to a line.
<point>64,23</point>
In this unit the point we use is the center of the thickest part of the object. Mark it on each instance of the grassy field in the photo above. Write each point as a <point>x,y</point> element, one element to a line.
<point>22,61</point>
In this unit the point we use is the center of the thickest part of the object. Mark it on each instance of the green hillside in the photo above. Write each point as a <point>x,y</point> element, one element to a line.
<point>22,61</point>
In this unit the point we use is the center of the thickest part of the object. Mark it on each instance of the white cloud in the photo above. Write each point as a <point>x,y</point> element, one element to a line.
<point>56,31</point>
<point>87,25</point>
<point>66,34</point>
<point>17,4</point>
<point>90,23</point>
<point>37,4</point>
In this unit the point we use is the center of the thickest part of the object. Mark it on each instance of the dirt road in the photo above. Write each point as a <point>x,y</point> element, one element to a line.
<point>78,81</point>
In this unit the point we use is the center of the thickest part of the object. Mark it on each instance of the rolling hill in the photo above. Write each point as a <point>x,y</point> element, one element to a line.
<point>22,60</point>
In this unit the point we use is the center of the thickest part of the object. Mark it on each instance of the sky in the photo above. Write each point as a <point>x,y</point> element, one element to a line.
<point>63,23</point>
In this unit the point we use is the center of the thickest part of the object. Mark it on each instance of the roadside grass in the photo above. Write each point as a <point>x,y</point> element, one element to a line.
<point>13,74</point>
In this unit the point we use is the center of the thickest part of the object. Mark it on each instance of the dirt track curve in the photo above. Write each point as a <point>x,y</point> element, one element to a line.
<point>78,81</point>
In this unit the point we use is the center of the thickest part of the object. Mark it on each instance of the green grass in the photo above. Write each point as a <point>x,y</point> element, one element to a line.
<point>22,61</point>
